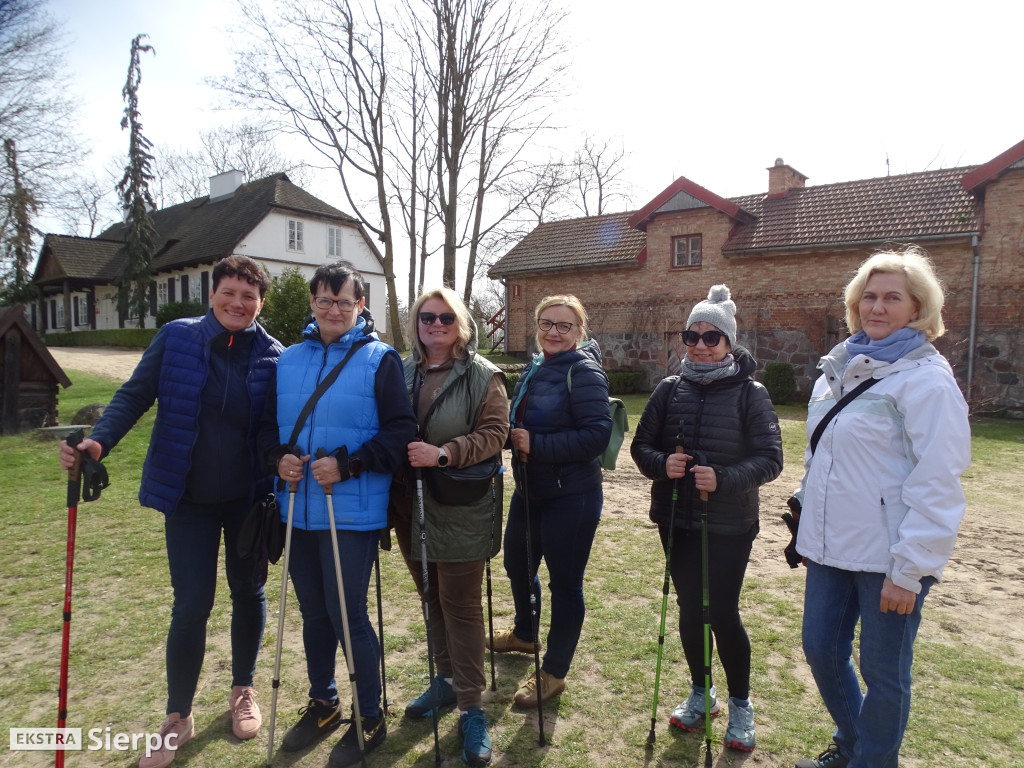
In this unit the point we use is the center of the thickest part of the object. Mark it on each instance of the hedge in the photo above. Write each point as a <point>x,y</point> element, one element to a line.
<point>780,381</point>
<point>619,382</point>
<point>135,338</point>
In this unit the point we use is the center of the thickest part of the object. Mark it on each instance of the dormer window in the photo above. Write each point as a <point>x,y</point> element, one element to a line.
<point>686,251</point>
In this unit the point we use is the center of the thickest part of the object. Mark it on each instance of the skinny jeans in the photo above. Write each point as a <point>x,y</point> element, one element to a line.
<point>869,726</point>
<point>456,620</point>
<point>562,531</point>
<point>193,534</point>
<point>311,565</point>
<point>728,557</point>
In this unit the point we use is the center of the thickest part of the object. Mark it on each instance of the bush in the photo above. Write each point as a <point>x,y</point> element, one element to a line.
<point>780,381</point>
<point>132,338</point>
<point>286,306</point>
<point>175,310</point>
<point>621,382</point>
<point>511,379</point>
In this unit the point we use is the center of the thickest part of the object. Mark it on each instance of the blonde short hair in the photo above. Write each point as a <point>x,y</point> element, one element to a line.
<point>923,285</point>
<point>463,322</point>
<point>563,300</point>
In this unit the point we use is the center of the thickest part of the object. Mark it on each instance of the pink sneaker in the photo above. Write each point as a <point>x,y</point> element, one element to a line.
<point>175,731</point>
<point>245,715</point>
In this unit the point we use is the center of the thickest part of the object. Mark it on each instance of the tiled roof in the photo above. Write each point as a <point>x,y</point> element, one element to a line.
<point>892,208</point>
<point>197,232</point>
<point>595,241</point>
<point>913,205</point>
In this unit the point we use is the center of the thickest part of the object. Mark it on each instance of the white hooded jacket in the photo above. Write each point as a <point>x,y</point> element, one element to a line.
<point>882,493</point>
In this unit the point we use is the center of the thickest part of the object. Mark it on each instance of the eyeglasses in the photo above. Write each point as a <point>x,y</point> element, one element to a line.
<point>429,318</point>
<point>710,338</point>
<point>561,328</point>
<point>343,304</point>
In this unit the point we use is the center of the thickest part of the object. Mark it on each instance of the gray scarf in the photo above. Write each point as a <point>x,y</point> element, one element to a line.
<point>705,373</point>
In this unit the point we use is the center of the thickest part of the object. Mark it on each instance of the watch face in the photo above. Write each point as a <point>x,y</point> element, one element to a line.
<point>442,459</point>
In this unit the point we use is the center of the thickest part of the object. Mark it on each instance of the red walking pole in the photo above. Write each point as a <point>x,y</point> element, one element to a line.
<point>74,494</point>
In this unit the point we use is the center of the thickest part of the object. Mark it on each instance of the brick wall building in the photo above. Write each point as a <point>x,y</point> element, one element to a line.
<point>787,255</point>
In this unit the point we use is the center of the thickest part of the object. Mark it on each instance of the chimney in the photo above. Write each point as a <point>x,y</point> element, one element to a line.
<point>782,178</point>
<point>225,184</point>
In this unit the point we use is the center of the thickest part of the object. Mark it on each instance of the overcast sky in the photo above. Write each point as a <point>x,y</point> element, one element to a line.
<point>713,91</point>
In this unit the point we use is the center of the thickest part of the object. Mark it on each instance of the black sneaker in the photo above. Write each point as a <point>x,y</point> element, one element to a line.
<point>830,758</point>
<point>346,751</point>
<point>318,719</point>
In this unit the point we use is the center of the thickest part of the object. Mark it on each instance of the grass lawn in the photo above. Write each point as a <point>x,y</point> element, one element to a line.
<point>969,687</point>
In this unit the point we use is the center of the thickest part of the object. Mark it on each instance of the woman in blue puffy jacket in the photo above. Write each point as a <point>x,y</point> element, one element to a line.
<point>560,425</point>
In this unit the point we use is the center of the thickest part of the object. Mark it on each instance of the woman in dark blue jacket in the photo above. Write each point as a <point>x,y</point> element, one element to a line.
<point>560,425</point>
<point>209,377</point>
<point>725,423</point>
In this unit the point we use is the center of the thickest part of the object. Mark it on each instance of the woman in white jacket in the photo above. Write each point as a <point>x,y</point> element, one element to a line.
<point>881,503</point>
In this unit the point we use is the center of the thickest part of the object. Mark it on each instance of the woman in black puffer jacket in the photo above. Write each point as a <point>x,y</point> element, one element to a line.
<point>729,434</point>
<point>560,425</point>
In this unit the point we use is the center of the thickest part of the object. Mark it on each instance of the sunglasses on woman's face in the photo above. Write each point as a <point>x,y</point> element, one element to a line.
<point>429,318</point>
<point>710,338</point>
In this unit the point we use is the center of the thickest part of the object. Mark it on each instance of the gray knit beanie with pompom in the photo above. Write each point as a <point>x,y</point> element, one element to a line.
<point>719,310</point>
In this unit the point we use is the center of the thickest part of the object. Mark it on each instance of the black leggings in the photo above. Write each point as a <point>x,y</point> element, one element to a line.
<point>728,557</point>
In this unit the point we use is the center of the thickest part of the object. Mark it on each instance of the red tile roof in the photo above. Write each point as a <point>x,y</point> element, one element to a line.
<point>991,170</point>
<point>901,208</point>
<point>891,208</point>
<point>595,241</point>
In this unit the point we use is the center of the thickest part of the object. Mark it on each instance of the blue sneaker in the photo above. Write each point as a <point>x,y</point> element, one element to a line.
<point>423,705</point>
<point>476,743</point>
<point>740,732</point>
<point>690,714</point>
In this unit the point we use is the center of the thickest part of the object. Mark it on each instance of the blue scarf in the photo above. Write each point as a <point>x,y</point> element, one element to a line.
<point>890,349</point>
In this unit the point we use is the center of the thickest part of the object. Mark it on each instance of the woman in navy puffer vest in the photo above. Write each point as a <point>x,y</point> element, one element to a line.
<point>209,377</point>
<point>560,425</point>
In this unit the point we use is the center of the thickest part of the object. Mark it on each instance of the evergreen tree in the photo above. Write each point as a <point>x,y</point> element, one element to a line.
<point>136,199</point>
<point>15,283</point>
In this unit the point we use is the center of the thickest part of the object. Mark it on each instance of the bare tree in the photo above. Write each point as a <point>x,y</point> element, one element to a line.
<point>493,67</point>
<point>136,199</point>
<point>36,111</point>
<point>597,173</point>
<point>184,174</point>
<point>324,70</point>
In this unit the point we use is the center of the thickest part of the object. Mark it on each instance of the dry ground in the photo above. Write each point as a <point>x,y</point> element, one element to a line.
<point>981,598</point>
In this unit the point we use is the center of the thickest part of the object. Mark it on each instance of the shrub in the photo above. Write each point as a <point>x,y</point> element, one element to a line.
<point>622,382</point>
<point>286,306</point>
<point>133,338</point>
<point>511,379</point>
<point>175,310</point>
<point>780,381</point>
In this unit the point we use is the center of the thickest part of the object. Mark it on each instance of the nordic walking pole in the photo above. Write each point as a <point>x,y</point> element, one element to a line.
<point>490,612</point>
<point>276,682</point>
<point>357,716</point>
<point>706,610</point>
<point>664,596</point>
<point>74,495</point>
<point>535,618</point>
<point>425,579</point>
<point>380,631</point>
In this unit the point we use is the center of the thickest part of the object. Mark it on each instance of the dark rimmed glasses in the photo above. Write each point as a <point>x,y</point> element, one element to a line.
<point>710,338</point>
<point>429,318</point>
<point>343,304</point>
<point>547,325</point>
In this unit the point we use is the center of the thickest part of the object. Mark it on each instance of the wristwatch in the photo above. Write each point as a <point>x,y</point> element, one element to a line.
<point>442,458</point>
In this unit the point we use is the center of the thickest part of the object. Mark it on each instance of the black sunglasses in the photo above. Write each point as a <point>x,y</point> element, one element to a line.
<point>428,318</point>
<point>710,338</point>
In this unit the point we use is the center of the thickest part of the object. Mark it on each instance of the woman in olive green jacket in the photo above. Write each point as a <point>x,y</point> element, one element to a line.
<point>462,410</point>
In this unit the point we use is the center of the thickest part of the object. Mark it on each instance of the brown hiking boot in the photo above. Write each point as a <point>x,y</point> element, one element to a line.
<point>550,686</point>
<point>507,641</point>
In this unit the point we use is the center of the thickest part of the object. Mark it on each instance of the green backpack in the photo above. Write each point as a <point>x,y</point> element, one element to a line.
<point>620,426</point>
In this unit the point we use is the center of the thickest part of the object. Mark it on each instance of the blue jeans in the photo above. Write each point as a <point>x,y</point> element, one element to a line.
<point>562,532</point>
<point>869,726</point>
<point>311,565</point>
<point>192,533</point>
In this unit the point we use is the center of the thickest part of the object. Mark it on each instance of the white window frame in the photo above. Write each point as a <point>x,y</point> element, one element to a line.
<point>687,250</point>
<point>161,293</point>
<point>334,242</point>
<point>295,236</point>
